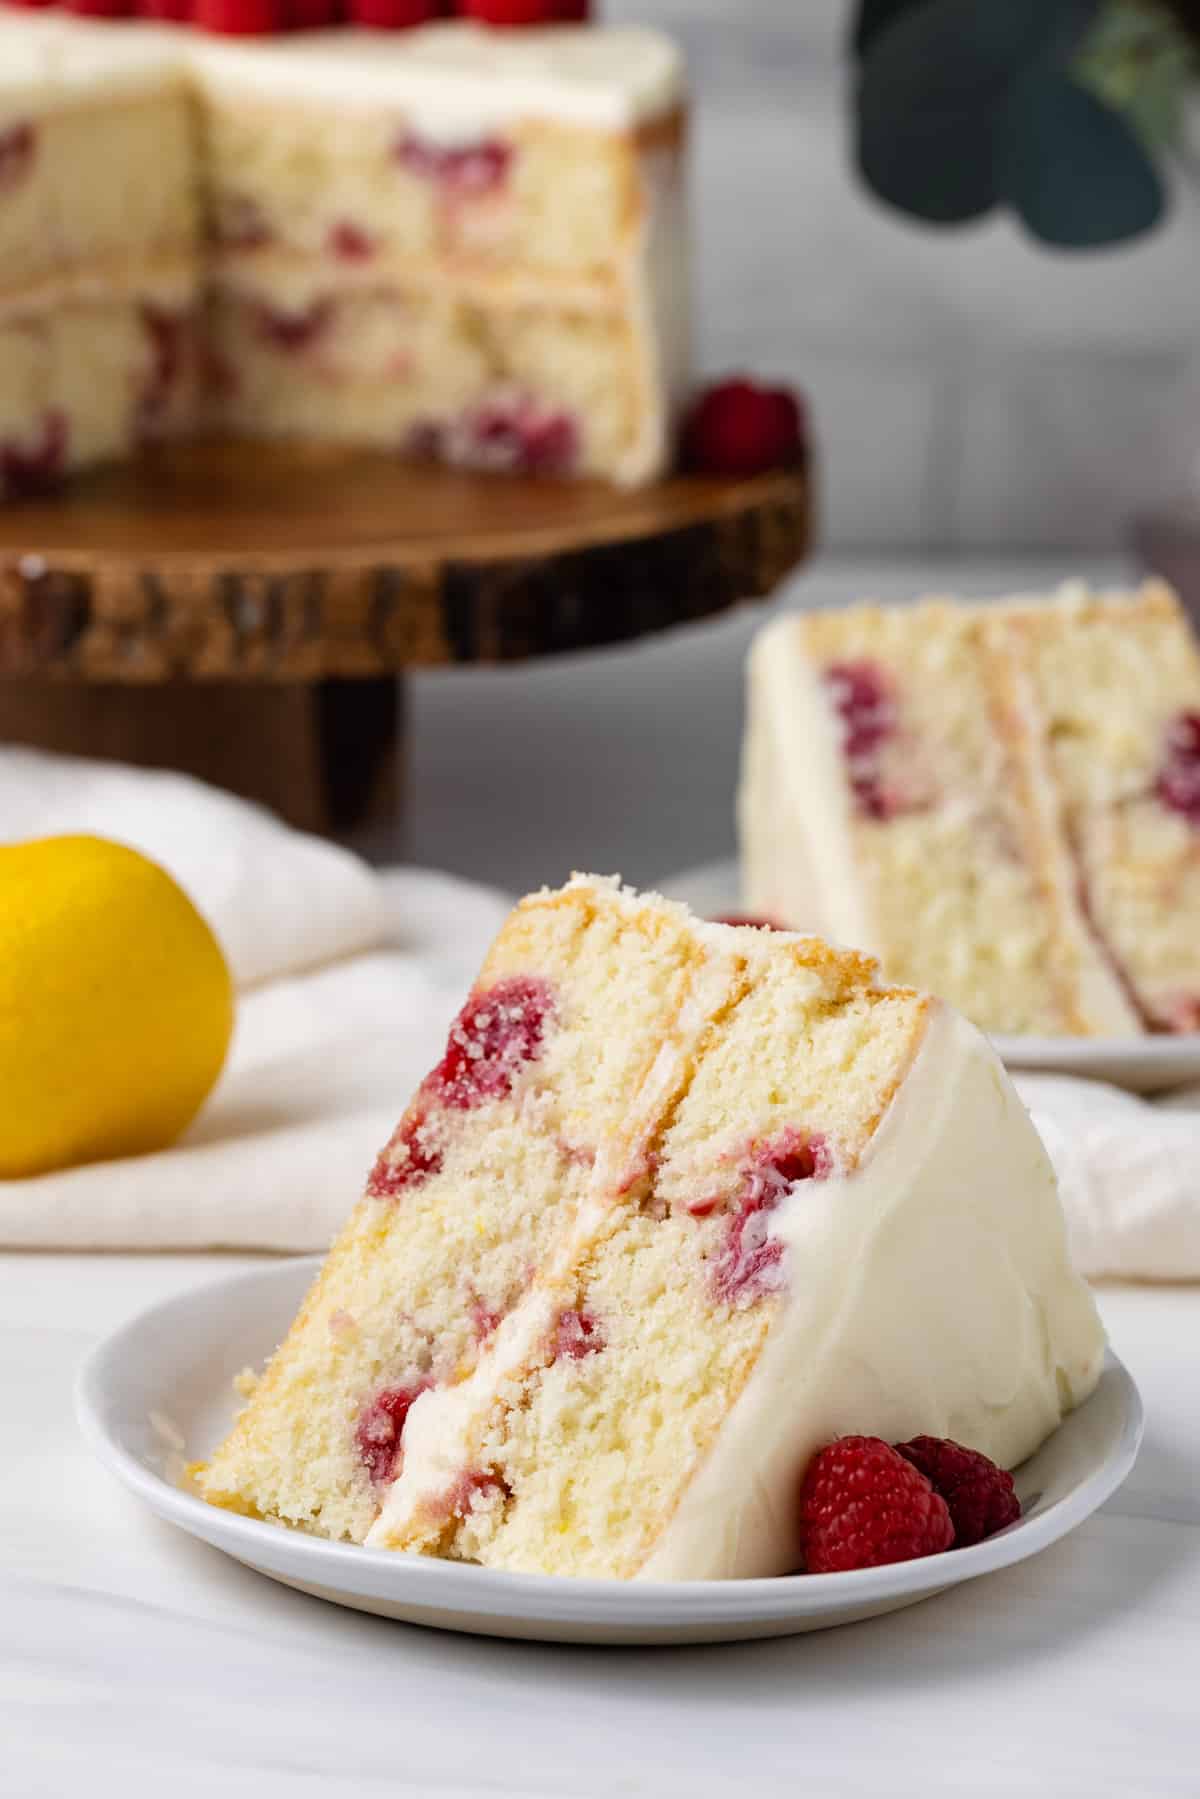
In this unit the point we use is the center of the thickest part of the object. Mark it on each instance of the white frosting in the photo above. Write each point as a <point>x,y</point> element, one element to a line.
<point>793,802</point>
<point>450,79</point>
<point>930,1291</point>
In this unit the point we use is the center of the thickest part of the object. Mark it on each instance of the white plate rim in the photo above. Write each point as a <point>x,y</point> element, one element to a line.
<point>457,1589</point>
<point>1150,1063</point>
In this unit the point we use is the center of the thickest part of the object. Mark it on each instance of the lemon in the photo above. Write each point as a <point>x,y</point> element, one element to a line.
<point>116,1005</point>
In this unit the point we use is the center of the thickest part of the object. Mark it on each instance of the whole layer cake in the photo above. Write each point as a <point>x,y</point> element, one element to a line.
<point>1001,801</point>
<point>450,241</point>
<point>681,1203</point>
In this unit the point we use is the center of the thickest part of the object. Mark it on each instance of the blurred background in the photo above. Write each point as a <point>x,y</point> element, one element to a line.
<point>989,414</point>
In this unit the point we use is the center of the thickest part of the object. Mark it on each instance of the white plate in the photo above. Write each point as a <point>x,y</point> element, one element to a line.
<point>160,1388</point>
<point>1139,1064</point>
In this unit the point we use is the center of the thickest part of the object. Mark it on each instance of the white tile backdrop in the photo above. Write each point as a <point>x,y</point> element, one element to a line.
<point>970,390</point>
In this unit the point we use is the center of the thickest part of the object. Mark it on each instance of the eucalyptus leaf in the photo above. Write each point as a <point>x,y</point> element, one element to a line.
<point>951,57</point>
<point>875,16</point>
<point>1073,168</point>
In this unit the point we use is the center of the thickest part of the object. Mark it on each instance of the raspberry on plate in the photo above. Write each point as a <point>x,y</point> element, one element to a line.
<point>862,1504</point>
<point>980,1496</point>
<point>740,428</point>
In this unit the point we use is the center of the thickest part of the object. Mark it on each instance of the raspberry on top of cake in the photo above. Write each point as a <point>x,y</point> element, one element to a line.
<point>680,1204</point>
<point>1000,800</point>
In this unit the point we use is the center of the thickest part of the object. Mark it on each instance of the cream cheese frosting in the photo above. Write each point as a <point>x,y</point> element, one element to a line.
<point>929,1291</point>
<point>447,78</point>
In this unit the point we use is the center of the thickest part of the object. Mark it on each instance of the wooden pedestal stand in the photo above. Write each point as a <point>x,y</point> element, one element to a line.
<point>241,611</point>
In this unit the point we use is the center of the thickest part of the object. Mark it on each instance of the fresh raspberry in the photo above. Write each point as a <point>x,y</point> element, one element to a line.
<point>510,12</point>
<point>740,428</point>
<point>980,1497</point>
<point>394,15</point>
<point>862,1504</point>
<point>101,9</point>
<point>313,15</point>
<point>240,18</point>
<point>171,12</point>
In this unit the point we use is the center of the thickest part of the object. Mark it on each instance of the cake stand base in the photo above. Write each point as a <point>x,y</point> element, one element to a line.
<point>326,756</point>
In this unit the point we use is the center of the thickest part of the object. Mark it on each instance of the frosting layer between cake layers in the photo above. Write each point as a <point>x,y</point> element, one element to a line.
<point>447,240</point>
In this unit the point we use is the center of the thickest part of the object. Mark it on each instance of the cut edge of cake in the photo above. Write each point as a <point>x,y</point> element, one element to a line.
<point>636,1258</point>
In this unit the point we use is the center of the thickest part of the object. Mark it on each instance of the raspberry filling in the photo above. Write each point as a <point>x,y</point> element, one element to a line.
<point>748,1264</point>
<point>494,1036</point>
<point>381,1427</point>
<point>465,171</point>
<point>1178,783</point>
<point>30,469</point>
<point>167,334</point>
<point>509,434</point>
<point>420,1160</point>
<point>577,1334</point>
<point>350,243</point>
<point>484,1319</point>
<point>863,699</point>
<point>752,919</point>
<point>293,331</point>
<point>17,146</point>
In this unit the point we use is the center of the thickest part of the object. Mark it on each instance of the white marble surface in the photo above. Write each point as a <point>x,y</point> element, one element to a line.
<point>134,1660</point>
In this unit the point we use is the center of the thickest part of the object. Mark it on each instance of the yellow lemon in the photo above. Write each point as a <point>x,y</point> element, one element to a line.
<point>116,1005</point>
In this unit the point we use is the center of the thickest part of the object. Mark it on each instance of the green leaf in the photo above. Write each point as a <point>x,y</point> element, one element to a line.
<point>1072,167</point>
<point>875,16</point>
<point>933,85</point>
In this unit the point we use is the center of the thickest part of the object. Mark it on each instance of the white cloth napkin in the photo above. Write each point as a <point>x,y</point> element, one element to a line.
<point>278,900</point>
<point>349,981</point>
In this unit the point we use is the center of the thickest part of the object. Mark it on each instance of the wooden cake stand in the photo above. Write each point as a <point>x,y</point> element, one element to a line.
<point>241,611</point>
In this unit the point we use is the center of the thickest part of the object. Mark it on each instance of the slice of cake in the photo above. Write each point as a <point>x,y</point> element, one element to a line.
<point>449,241</point>
<point>681,1203</point>
<point>996,800</point>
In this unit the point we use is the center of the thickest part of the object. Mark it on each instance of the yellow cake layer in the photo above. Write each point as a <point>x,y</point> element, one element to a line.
<point>507,387</point>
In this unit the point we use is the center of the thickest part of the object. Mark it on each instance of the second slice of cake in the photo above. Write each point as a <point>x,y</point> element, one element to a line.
<point>681,1203</point>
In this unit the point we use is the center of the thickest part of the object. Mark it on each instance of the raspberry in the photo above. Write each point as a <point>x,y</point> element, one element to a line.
<point>172,12</point>
<point>511,12</point>
<point>293,331</point>
<point>577,1334</point>
<point>18,145</point>
<point>101,9</point>
<point>862,1504</point>
<point>381,1427</point>
<point>749,918</point>
<point>394,15</point>
<point>498,1030</point>
<point>739,428</point>
<point>240,18</point>
<point>1178,784</point>
<point>980,1497</point>
<point>350,243</point>
<point>422,1159</point>
<point>749,1263</point>
<point>29,470</point>
<point>312,15</point>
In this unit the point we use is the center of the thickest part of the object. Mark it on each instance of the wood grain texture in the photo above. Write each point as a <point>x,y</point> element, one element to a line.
<point>233,561</point>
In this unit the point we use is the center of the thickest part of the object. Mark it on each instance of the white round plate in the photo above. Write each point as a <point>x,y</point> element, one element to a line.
<point>158,1391</point>
<point>1139,1064</point>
